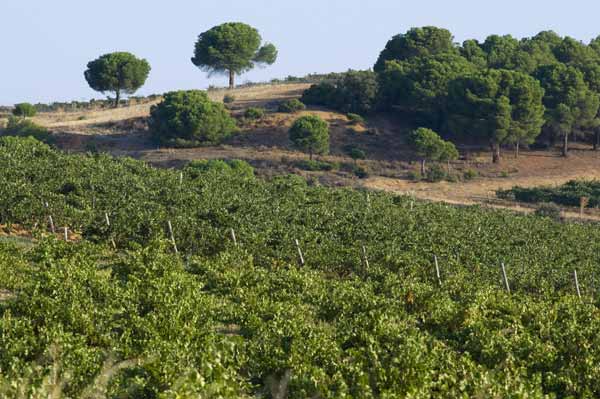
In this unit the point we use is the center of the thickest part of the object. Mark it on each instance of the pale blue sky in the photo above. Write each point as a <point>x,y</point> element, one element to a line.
<point>47,43</point>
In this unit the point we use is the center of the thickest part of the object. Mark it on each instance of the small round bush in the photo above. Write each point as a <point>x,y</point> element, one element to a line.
<point>356,153</point>
<point>228,98</point>
<point>254,113</point>
<point>355,119</point>
<point>360,172</point>
<point>291,106</point>
<point>549,210</point>
<point>188,118</point>
<point>25,110</point>
<point>310,134</point>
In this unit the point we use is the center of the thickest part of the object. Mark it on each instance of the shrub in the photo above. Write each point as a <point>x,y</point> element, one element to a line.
<point>254,113</point>
<point>310,133</point>
<point>26,128</point>
<point>355,119</point>
<point>313,165</point>
<point>189,118</point>
<point>25,110</point>
<point>549,210</point>
<point>360,172</point>
<point>228,98</point>
<point>291,106</point>
<point>435,174</point>
<point>470,174</point>
<point>356,153</point>
<point>415,175</point>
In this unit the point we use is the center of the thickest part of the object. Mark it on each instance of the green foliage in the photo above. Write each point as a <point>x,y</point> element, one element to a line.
<point>220,320</point>
<point>549,210</point>
<point>356,153</point>
<point>568,194</point>
<point>228,98</point>
<point>192,117</point>
<point>428,145</point>
<point>314,165</point>
<point>310,133</point>
<point>24,110</point>
<point>291,106</point>
<point>20,127</point>
<point>254,113</point>
<point>118,73</point>
<point>355,119</point>
<point>435,174</point>
<point>360,171</point>
<point>352,91</point>
<point>470,174</point>
<point>498,105</point>
<point>232,48</point>
<point>417,42</point>
<point>234,167</point>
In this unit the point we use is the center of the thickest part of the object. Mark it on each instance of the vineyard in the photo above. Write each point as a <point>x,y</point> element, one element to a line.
<point>208,282</point>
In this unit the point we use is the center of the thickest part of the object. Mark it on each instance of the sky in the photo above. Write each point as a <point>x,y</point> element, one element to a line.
<point>46,44</point>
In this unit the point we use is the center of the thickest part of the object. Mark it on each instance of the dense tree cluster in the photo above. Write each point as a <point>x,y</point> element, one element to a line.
<point>503,91</point>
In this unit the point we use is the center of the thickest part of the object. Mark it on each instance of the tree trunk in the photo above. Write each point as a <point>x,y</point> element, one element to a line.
<point>117,97</point>
<point>231,79</point>
<point>517,149</point>
<point>496,153</point>
<point>597,140</point>
<point>565,149</point>
<point>310,155</point>
<point>423,167</point>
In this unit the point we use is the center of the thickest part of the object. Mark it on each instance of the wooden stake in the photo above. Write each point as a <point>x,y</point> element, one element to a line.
<point>52,228</point>
<point>172,236</point>
<point>232,231</point>
<point>365,259</point>
<point>577,284</point>
<point>506,285</point>
<point>106,219</point>
<point>300,253</point>
<point>180,178</point>
<point>437,270</point>
<point>66,233</point>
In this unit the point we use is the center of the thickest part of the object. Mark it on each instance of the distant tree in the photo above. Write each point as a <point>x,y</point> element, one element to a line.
<point>571,106</point>
<point>232,48</point>
<point>117,73</point>
<point>420,85</point>
<point>472,51</point>
<point>499,105</point>
<point>190,118</point>
<point>505,52</point>
<point>417,42</point>
<point>24,110</point>
<point>429,146</point>
<point>310,134</point>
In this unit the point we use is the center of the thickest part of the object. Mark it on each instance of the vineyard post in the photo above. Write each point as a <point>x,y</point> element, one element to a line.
<point>172,236</point>
<point>365,259</point>
<point>66,233</point>
<point>577,284</point>
<point>506,285</point>
<point>299,252</point>
<point>583,202</point>
<point>112,240</point>
<point>232,231</point>
<point>180,178</point>
<point>437,270</point>
<point>52,228</point>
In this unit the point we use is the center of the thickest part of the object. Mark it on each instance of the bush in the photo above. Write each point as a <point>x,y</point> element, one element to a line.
<point>470,174</point>
<point>291,106</point>
<point>355,119</point>
<point>549,210</point>
<point>25,110</point>
<point>190,118</point>
<point>356,153</point>
<point>228,98</point>
<point>231,166</point>
<point>353,91</point>
<point>26,128</point>
<point>254,113</point>
<point>311,134</point>
<point>435,174</point>
<point>313,165</point>
<point>415,175</point>
<point>360,172</point>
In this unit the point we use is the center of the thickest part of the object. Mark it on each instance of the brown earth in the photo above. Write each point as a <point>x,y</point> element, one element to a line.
<point>123,132</point>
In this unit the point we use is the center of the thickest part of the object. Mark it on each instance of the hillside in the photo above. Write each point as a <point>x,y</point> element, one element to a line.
<point>265,144</point>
